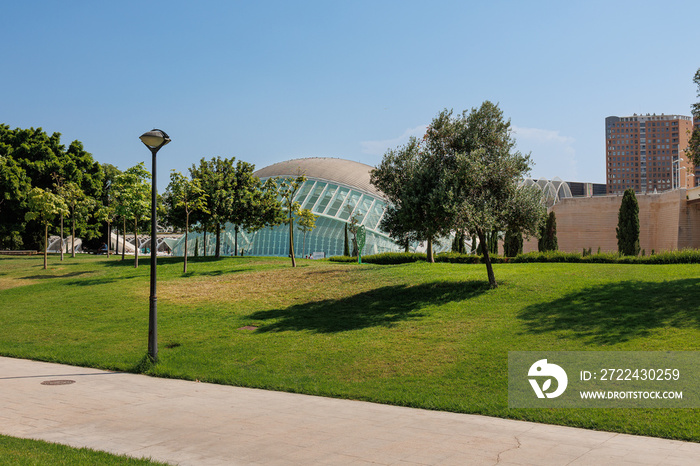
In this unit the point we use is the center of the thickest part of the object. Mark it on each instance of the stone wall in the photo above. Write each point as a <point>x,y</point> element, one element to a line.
<point>667,221</point>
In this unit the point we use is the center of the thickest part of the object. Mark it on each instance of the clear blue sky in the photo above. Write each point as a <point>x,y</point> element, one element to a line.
<point>267,81</point>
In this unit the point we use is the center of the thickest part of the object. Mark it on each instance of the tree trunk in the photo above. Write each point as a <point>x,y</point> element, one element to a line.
<point>46,245</point>
<point>109,237</point>
<point>72,235</point>
<point>346,244</point>
<point>61,242</point>
<point>235,240</point>
<point>124,238</point>
<point>429,252</point>
<point>116,246</point>
<point>187,228</point>
<point>487,259</point>
<point>291,240</point>
<point>136,243</point>
<point>217,250</point>
<point>205,241</point>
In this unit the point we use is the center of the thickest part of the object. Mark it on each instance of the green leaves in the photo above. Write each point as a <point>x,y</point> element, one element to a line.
<point>627,230</point>
<point>132,192</point>
<point>462,176</point>
<point>31,158</point>
<point>44,206</point>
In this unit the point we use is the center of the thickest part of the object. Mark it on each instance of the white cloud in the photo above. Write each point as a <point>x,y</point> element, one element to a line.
<point>380,147</point>
<point>541,135</point>
<point>553,153</point>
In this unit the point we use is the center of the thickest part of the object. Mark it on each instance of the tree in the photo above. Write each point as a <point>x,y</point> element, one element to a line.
<point>265,209</point>
<point>512,243</point>
<point>459,243</point>
<point>74,198</point>
<point>548,234</point>
<point>346,243</point>
<point>475,156</point>
<point>353,227</point>
<point>133,194</point>
<point>43,207</point>
<point>107,214</point>
<point>188,195</point>
<point>287,190</point>
<point>245,193</point>
<point>217,178</point>
<point>694,143</point>
<point>419,208</point>
<point>108,200</point>
<point>628,225</point>
<point>306,223</point>
<point>14,188</point>
<point>31,154</point>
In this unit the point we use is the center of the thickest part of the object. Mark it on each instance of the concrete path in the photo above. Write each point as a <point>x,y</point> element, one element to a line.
<point>194,423</point>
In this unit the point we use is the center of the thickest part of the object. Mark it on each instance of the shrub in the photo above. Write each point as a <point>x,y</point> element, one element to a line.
<point>394,258</point>
<point>685,256</point>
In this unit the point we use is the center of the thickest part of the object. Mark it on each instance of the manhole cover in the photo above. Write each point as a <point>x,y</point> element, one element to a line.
<point>57,382</point>
<point>248,327</point>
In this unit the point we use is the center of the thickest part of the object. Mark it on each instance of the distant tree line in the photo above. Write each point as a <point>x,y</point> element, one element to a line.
<point>44,185</point>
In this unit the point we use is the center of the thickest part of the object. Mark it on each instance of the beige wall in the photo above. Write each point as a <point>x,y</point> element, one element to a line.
<point>666,222</point>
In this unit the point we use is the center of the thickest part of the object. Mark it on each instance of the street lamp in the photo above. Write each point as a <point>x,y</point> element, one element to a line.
<point>154,140</point>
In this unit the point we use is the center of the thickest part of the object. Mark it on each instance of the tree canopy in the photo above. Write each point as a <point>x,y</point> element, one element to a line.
<point>43,206</point>
<point>694,144</point>
<point>31,158</point>
<point>463,176</point>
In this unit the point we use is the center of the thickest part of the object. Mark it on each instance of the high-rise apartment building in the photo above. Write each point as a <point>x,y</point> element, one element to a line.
<point>696,124</point>
<point>647,153</point>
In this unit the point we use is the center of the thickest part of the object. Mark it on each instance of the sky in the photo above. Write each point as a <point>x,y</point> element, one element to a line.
<point>269,81</point>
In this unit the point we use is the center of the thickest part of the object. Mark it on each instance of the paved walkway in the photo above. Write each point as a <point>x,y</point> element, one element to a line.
<point>194,423</point>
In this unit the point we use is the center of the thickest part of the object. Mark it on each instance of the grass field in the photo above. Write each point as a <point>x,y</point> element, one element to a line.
<point>423,335</point>
<point>19,452</point>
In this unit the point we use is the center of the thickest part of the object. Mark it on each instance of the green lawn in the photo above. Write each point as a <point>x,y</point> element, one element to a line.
<point>424,335</point>
<point>19,452</point>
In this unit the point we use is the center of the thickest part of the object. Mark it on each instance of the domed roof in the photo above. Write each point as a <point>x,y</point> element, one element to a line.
<point>347,172</point>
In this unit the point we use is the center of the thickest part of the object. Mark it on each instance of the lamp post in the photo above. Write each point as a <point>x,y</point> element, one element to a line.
<point>154,140</point>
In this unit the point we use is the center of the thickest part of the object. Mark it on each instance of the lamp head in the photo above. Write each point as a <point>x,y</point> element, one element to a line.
<point>156,138</point>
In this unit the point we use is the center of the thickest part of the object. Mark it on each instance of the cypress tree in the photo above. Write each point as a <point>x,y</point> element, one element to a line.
<point>628,225</point>
<point>512,243</point>
<point>548,234</point>
<point>541,234</point>
<point>458,244</point>
<point>551,231</point>
<point>346,245</point>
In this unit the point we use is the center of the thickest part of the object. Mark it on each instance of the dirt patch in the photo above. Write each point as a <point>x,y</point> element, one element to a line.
<point>288,283</point>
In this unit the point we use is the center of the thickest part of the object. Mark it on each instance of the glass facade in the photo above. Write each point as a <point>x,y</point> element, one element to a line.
<point>333,203</point>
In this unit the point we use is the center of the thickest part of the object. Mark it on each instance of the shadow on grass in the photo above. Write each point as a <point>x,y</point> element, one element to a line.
<point>214,273</point>
<point>64,275</point>
<point>379,307</point>
<point>145,260</point>
<point>98,281</point>
<point>618,312</point>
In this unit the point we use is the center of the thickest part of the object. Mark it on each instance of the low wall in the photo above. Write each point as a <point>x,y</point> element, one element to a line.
<point>667,221</point>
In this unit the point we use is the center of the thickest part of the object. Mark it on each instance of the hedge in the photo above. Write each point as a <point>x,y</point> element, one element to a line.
<point>684,256</point>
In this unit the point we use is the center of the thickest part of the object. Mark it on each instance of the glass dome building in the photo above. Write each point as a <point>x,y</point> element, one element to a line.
<point>335,190</point>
